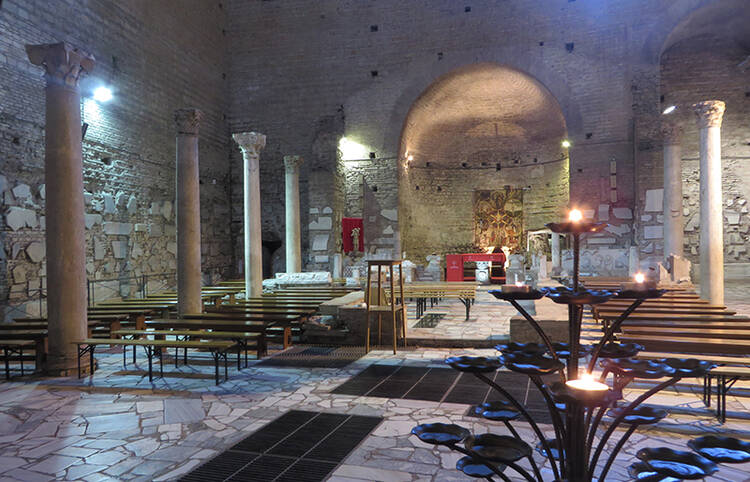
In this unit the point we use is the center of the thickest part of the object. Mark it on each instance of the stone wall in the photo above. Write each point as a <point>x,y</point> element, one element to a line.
<point>156,57</point>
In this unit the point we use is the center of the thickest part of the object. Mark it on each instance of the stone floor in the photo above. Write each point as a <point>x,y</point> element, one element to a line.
<point>119,426</point>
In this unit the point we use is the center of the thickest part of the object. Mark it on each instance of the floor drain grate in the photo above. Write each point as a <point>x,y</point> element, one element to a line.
<point>314,357</point>
<point>298,446</point>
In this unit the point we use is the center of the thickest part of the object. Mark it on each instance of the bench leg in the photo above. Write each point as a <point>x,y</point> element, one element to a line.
<point>20,354</point>
<point>262,346</point>
<point>216,365</point>
<point>467,304</point>
<point>149,354</point>
<point>160,352</point>
<point>7,365</point>
<point>287,337</point>
<point>91,360</point>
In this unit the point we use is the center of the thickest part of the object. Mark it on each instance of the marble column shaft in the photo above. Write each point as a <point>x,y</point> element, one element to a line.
<point>555,249</point>
<point>674,226</point>
<point>187,191</point>
<point>709,114</point>
<point>293,236</point>
<point>64,207</point>
<point>250,144</point>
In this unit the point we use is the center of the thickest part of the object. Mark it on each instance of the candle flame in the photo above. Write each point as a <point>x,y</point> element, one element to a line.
<point>639,278</point>
<point>519,283</point>
<point>575,215</point>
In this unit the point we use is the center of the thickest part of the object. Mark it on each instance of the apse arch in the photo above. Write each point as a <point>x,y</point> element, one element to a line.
<point>481,128</point>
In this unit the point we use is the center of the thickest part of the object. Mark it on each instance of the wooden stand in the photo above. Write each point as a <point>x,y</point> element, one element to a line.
<point>380,305</point>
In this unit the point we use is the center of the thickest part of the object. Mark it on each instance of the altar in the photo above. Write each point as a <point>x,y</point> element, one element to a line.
<point>455,265</point>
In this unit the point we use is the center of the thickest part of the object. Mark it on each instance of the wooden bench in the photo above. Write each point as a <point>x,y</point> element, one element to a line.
<point>217,348</point>
<point>242,339</point>
<point>37,337</point>
<point>685,344</point>
<point>421,292</point>
<point>9,348</point>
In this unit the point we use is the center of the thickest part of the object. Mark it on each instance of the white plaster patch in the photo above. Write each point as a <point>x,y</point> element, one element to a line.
<point>391,214</point>
<point>115,228</point>
<point>653,232</point>
<point>660,218</point>
<point>17,218</point>
<point>622,213</point>
<point>36,251</point>
<point>320,242</point>
<point>654,200</point>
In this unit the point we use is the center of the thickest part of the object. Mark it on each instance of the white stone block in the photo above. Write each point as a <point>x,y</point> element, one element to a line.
<point>43,191</point>
<point>99,249</point>
<point>693,223</point>
<point>21,192</point>
<point>19,274</point>
<point>92,220</point>
<point>141,228</point>
<point>314,210</point>
<point>622,213</point>
<point>391,214</point>
<point>132,204</point>
<point>155,208</point>
<point>327,210</point>
<point>87,197</point>
<point>601,240</point>
<point>166,210</point>
<point>320,242</point>
<point>646,217</point>
<point>588,213</point>
<point>733,217</point>
<point>321,258</point>
<point>155,230</point>
<point>36,251</point>
<point>121,199</point>
<point>137,251</point>
<point>604,212</point>
<point>109,203</point>
<point>172,247</point>
<point>660,218</point>
<point>323,224</point>
<point>653,232</point>
<point>388,230</point>
<point>120,249</point>
<point>115,228</point>
<point>17,218</point>
<point>618,229</point>
<point>654,200</point>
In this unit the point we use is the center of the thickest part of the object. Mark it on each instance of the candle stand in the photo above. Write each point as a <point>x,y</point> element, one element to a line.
<point>577,403</point>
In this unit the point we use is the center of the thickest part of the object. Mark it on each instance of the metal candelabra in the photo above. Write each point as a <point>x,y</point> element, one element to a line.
<point>577,402</point>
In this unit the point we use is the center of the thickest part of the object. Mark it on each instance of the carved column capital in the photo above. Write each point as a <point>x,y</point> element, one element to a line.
<point>250,143</point>
<point>188,121</point>
<point>709,113</point>
<point>63,64</point>
<point>671,132</point>
<point>292,163</point>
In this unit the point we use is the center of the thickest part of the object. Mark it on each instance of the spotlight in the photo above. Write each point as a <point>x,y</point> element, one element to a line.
<point>566,143</point>
<point>669,109</point>
<point>102,94</point>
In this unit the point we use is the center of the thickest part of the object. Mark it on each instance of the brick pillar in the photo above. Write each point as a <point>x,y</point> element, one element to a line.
<point>251,143</point>
<point>64,208</point>
<point>188,205</point>
<point>709,114</point>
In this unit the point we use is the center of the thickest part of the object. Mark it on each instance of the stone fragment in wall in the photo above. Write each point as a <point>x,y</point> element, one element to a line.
<point>660,218</point>
<point>17,218</point>
<point>132,205</point>
<point>166,210</point>
<point>140,227</point>
<point>654,200</point>
<point>327,210</point>
<point>36,251</point>
<point>42,222</point>
<point>121,199</point>
<point>685,212</point>
<point>388,230</point>
<point>647,248</point>
<point>155,230</point>
<point>90,267</point>
<point>42,191</point>
<point>606,240</point>
<point>22,192</point>
<point>3,183</point>
<point>653,232</point>
<point>693,223</point>
<point>15,249</point>
<point>19,274</point>
<point>120,249</point>
<point>314,210</point>
<point>155,208</point>
<point>170,230</point>
<point>92,220</point>
<point>646,218</point>
<point>733,217</point>
<point>8,198</point>
<point>17,291</point>
<point>115,228</point>
<point>172,247</point>
<point>618,229</point>
<point>171,264</point>
<point>322,224</point>
<point>321,258</point>
<point>391,214</point>
<point>87,197</point>
<point>137,251</point>
<point>622,213</point>
<point>99,249</point>
<point>603,212</point>
<point>109,203</point>
<point>97,206</point>
<point>734,238</point>
<point>320,242</point>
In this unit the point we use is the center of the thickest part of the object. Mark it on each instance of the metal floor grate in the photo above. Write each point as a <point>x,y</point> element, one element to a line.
<point>298,446</point>
<point>442,385</point>
<point>315,357</point>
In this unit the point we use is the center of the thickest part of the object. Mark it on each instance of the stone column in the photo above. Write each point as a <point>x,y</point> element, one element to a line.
<point>64,208</point>
<point>556,254</point>
<point>188,205</point>
<point>293,250</point>
<point>251,143</point>
<point>673,222</point>
<point>709,115</point>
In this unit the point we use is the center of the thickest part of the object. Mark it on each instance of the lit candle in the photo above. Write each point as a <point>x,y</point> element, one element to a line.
<point>575,215</point>
<point>640,284</point>
<point>639,278</point>
<point>587,383</point>
<point>519,283</point>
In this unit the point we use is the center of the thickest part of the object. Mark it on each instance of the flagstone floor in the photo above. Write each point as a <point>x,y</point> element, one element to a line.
<point>117,425</point>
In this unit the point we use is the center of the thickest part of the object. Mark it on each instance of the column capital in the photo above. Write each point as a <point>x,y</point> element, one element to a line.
<point>292,163</point>
<point>250,142</point>
<point>709,113</point>
<point>671,132</point>
<point>188,121</point>
<point>63,64</point>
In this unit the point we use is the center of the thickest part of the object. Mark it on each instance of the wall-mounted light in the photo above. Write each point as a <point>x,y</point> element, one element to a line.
<point>102,94</point>
<point>351,150</point>
<point>565,143</point>
<point>669,109</point>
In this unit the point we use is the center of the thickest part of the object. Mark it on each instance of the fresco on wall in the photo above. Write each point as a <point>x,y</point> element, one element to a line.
<point>498,219</point>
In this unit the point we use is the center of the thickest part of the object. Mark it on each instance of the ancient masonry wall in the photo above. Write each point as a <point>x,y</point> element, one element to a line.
<point>367,65</point>
<point>156,57</point>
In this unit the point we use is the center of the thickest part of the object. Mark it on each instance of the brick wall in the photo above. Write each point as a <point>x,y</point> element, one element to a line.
<point>157,57</point>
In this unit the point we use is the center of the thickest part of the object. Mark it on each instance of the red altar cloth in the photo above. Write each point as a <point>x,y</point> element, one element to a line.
<point>455,263</point>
